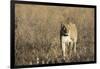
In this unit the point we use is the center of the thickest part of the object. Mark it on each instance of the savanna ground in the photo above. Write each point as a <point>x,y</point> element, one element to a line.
<point>37,33</point>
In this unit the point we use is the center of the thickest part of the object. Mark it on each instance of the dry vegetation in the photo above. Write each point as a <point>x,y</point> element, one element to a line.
<point>37,33</point>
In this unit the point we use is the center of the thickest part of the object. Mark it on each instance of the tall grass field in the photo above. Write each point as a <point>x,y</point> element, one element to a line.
<point>37,34</point>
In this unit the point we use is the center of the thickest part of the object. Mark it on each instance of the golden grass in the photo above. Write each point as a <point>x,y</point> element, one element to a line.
<point>37,33</point>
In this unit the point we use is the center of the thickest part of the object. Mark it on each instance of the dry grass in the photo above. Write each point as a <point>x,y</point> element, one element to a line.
<point>37,33</point>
